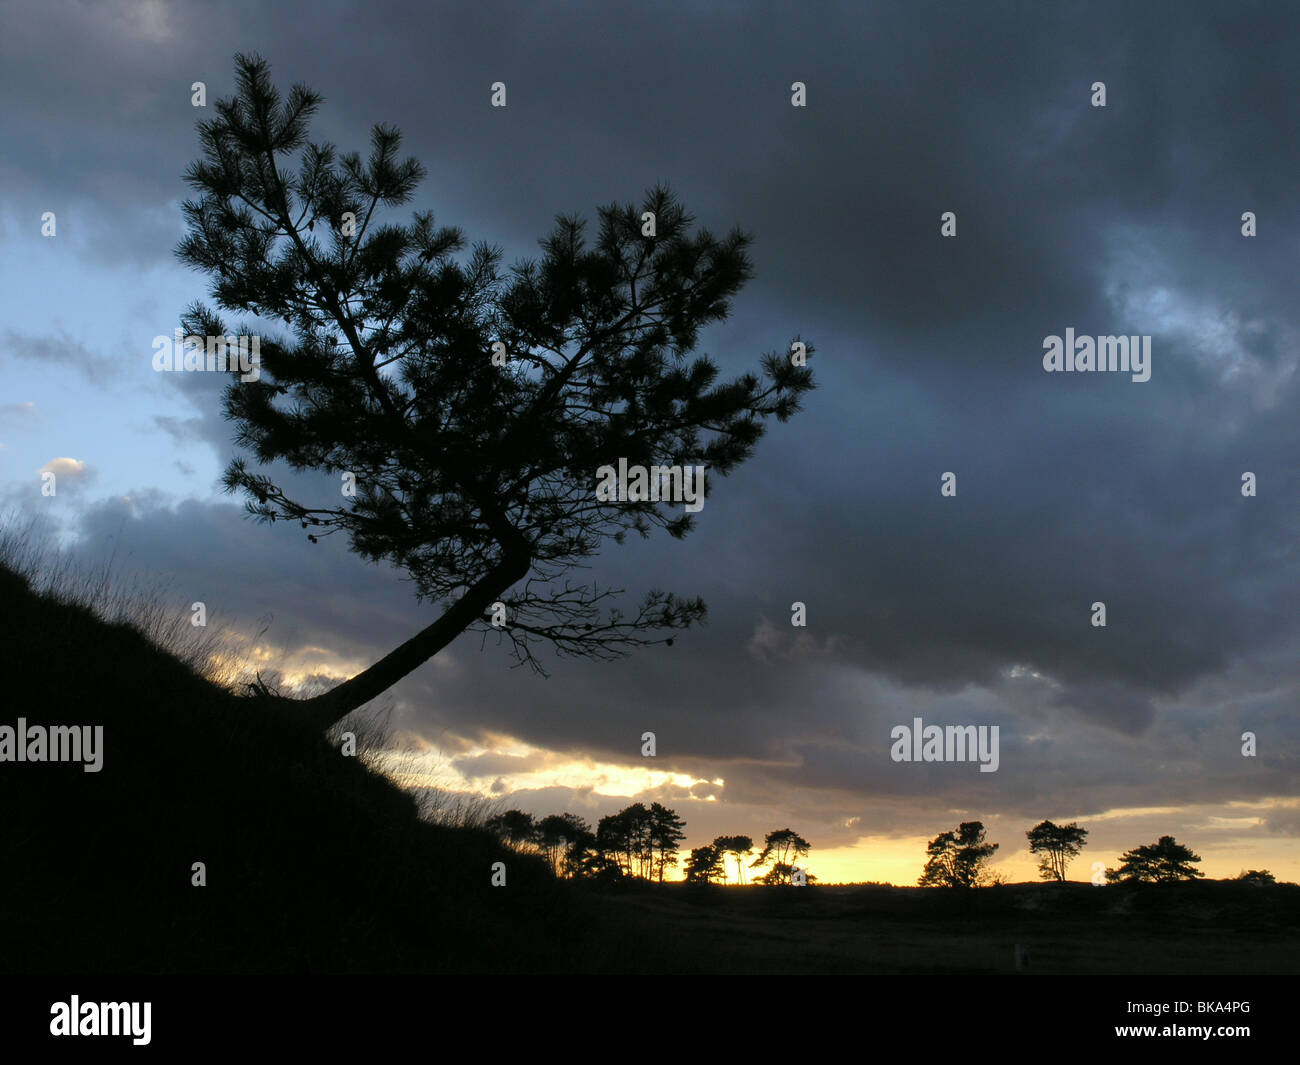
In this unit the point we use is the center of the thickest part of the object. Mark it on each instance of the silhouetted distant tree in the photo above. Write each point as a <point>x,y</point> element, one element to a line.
<point>957,859</point>
<point>612,842</point>
<point>625,838</point>
<point>551,841</point>
<point>557,835</point>
<point>641,846</point>
<point>514,827</point>
<point>583,858</point>
<point>1162,862</point>
<point>665,834</point>
<point>477,479</point>
<point>740,848</point>
<point>705,865</point>
<point>1057,845</point>
<point>1256,876</point>
<point>783,848</point>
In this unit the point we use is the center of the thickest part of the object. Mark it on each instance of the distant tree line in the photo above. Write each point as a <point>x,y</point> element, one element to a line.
<point>959,858</point>
<point>781,849</point>
<point>644,842</point>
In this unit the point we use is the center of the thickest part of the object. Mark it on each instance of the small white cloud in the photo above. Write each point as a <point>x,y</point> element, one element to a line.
<point>67,469</point>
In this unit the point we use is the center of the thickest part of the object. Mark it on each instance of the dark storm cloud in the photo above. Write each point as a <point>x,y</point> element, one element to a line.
<point>1071,489</point>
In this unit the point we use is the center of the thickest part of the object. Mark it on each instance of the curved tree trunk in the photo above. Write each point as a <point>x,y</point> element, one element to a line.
<point>328,707</point>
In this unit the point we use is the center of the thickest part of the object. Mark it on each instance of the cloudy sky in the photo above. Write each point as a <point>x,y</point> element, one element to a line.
<point>971,609</point>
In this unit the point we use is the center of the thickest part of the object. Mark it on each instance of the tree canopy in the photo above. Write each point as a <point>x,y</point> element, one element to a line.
<point>782,848</point>
<point>562,838</point>
<point>1056,845</point>
<point>705,865</point>
<point>471,406</point>
<point>1162,862</point>
<point>1259,877</point>
<point>740,848</point>
<point>957,859</point>
<point>665,834</point>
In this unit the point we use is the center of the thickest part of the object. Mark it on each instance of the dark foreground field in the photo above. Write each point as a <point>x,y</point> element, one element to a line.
<point>315,864</point>
<point>1215,927</point>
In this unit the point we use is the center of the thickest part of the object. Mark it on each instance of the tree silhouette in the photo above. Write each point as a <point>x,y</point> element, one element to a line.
<point>740,848</point>
<point>514,827</point>
<point>641,847</point>
<point>583,859</point>
<point>1259,877</point>
<point>1162,862</point>
<point>625,840</point>
<point>613,843</point>
<point>469,475</point>
<point>1058,845</point>
<point>665,833</point>
<point>557,835</point>
<point>956,859</point>
<point>705,865</point>
<point>783,848</point>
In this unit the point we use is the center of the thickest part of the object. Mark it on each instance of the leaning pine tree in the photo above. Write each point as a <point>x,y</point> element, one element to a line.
<point>472,407</point>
